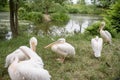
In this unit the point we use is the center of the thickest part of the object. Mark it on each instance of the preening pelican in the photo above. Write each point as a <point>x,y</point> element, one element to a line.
<point>105,34</point>
<point>20,54</point>
<point>31,69</point>
<point>97,46</point>
<point>63,48</point>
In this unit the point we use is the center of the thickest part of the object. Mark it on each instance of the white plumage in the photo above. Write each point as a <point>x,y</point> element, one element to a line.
<point>105,34</point>
<point>21,56</point>
<point>33,43</point>
<point>62,47</point>
<point>97,46</point>
<point>17,53</point>
<point>31,69</point>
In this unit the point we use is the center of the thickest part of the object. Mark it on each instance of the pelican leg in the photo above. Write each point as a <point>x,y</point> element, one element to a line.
<point>61,59</point>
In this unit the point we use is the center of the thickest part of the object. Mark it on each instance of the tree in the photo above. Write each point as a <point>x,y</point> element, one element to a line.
<point>3,3</point>
<point>106,3</point>
<point>13,5</point>
<point>60,1</point>
<point>81,2</point>
<point>113,15</point>
<point>45,5</point>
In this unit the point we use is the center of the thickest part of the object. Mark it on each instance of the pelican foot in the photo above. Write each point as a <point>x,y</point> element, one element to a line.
<point>60,60</point>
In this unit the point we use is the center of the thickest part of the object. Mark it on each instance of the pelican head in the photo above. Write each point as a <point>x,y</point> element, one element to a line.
<point>33,43</point>
<point>60,40</point>
<point>102,25</point>
<point>97,38</point>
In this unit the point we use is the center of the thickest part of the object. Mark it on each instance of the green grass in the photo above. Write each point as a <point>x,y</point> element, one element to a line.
<point>84,66</point>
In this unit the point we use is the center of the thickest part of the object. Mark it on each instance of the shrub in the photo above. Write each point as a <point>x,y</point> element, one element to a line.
<point>73,8</point>
<point>36,17</point>
<point>84,9</point>
<point>93,29</point>
<point>60,17</point>
<point>22,13</point>
<point>57,8</point>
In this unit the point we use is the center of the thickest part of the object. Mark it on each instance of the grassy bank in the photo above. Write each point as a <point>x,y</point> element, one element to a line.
<point>4,9</point>
<point>84,66</point>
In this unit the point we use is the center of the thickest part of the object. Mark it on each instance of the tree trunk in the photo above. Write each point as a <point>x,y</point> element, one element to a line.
<point>16,17</point>
<point>13,18</point>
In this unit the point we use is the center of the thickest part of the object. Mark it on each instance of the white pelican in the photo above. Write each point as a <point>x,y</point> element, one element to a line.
<point>31,69</point>
<point>97,46</point>
<point>63,48</point>
<point>20,54</point>
<point>105,34</point>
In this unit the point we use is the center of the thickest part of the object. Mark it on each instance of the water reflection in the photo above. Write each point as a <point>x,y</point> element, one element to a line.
<point>76,24</point>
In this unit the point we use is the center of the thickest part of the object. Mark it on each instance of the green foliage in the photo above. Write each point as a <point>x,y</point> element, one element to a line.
<point>60,1</point>
<point>4,9</point>
<point>33,13</point>
<point>60,17</point>
<point>3,31</point>
<point>105,3</point>
<point>57,8</point>
<point>93,29</point>
<point>22,13</point>
<point>36,17</point>
<point>72,9</point>
<point>84,9</point>
<point>3,3</point>
<point>28,6</point>
<point>113,15</point>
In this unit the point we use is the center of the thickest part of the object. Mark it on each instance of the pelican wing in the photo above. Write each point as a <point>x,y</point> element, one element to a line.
<point>65,49</point>
<point>18,53</point>
<point>33,73</point>
<point>33,55</point>
<point>94,45</point>
<point>100,43</point>
<point>108,34</point>
<point>97,46</point>
<point>28,70</point>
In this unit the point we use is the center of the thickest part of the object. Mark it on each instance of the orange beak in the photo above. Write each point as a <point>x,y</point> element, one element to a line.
<point>33,46</point>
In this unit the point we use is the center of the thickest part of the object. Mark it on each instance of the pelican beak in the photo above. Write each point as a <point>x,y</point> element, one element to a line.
<point>49,45</point>
<point>33,46</point>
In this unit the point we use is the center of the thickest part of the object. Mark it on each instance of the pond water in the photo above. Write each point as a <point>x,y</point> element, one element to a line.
<point>76,24</point>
